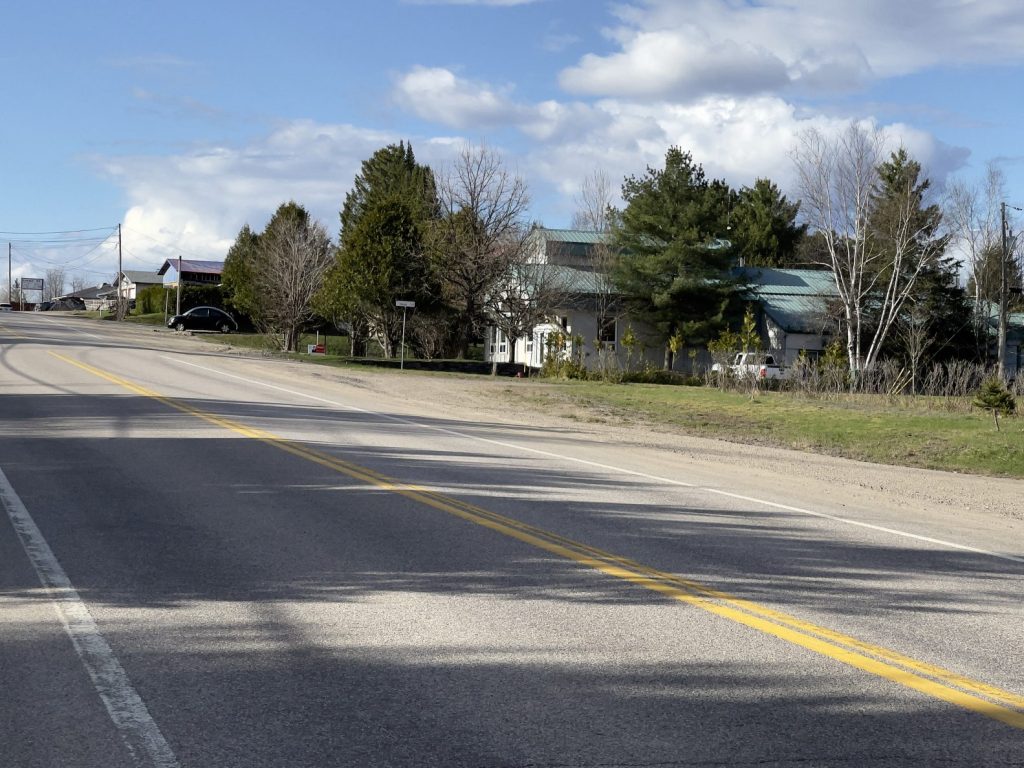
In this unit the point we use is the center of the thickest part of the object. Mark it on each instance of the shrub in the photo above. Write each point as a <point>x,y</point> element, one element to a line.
<point>993,396</point>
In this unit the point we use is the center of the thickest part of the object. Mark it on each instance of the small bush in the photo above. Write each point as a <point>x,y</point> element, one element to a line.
<point>993,396</point>
<point>150,300</point>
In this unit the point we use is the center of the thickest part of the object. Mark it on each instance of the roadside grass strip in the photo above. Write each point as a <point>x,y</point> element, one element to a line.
<point>923,677</point>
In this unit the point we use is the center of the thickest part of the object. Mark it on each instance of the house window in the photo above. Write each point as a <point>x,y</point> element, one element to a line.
<point>498,342</point>
<point>606,332</point>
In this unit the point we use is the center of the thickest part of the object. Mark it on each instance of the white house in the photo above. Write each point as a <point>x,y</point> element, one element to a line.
<point>792,315</point>
<point>130,282</point>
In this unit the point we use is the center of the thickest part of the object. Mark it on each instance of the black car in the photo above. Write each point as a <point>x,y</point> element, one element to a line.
<point>203,319</point>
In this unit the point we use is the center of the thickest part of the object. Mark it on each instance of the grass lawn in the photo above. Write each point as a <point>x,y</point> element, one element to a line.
<point>919,432</point>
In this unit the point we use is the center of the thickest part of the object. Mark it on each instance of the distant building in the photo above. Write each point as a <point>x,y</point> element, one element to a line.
<point>792,309</point>
<point>97,297</point>
<point>130,282</point>
<point>192,271</point>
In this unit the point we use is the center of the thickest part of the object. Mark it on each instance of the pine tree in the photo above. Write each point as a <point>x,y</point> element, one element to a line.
<point>674,262</point>
<point>237,276</point>
<point>764,228</point>
<point>993,396</point>
<point>382,261</point>
<point>390,177</point>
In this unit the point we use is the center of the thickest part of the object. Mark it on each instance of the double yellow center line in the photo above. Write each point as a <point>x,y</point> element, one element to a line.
<point>929,679</point>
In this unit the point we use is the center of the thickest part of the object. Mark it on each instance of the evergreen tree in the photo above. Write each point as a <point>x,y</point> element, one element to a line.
<point>391,177</point>
<point>988,276</point>
<point>390,173</point>
<point>764,229</point>
<point>237,277</point>
<point>382,261</point>
<point>947,308</point>
<point>674,265</point>
<point>993,396</point>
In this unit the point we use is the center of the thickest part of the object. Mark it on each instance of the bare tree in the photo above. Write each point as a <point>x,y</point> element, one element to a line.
<point>875,260</point>
<point>593,203</point>
<point>479,236</point>
<point>914,332</point>
<point>53,283</point>
<point>972,215</point>
<point>595,213</point>
<point>78,283</point>
<point>15,295</point>
<point>295,253</point>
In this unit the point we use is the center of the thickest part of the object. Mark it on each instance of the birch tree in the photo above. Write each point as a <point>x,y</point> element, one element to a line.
<point>972,215</point>
<point>877,239</point>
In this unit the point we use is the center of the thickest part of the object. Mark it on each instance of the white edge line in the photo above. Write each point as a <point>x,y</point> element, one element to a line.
<point>70,327</point>
<point>611,468</point>
<point>126,708</point>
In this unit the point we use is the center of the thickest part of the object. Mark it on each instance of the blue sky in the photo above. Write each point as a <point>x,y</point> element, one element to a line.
<point>184,121</point>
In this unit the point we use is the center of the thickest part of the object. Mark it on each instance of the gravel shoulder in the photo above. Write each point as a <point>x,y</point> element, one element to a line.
<point>951,499</point>
<point>800,475</point>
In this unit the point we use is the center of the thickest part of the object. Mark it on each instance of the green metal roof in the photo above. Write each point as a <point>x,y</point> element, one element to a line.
<point>576,281</point>
<point>790,282</point>
<point>796,299</point>
<point>588,237</point>
<point>797,314</point>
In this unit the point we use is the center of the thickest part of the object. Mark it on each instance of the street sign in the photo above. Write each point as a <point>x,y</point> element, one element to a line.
<point>31,283</point>
<point>405,305</point>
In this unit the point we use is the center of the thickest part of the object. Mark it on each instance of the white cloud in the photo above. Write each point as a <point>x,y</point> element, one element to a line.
<point>736,139</point>
<point>682,64</point>
<point>438,95</point>
<point>197,201</point>
<point>688,50</point>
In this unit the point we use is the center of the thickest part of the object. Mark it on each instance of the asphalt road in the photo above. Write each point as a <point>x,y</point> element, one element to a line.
<point>212,560</point>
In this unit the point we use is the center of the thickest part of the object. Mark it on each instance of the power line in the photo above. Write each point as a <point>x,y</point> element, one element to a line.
<point>175,248</point>
<point>71,263</point>
<point>69,241</point>
<point>59,231</point>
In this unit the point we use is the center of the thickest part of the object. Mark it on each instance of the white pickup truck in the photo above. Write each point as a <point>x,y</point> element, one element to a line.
<point>753,365</point>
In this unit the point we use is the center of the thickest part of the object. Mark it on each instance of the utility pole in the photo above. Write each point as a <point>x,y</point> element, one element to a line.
<point>1003,294</point>
<point>177,305</point>
<point>120,279</point>
<point>9,286</point>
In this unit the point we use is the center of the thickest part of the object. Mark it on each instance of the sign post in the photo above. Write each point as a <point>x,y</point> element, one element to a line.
<point>405,305</point>
<point>31,284</point>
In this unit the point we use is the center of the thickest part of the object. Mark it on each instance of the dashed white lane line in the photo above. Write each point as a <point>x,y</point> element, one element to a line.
<point>612,468</point>
<point>126,708</point>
